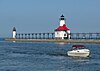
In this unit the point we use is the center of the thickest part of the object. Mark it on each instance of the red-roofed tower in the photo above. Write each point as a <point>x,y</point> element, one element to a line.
<point>62,32</point>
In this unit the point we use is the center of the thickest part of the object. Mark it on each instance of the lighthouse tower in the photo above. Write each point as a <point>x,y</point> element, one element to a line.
<point>62,32</point>
<point>14,33</point>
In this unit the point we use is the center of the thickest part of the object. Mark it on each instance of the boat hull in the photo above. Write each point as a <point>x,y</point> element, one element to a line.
<point>79,53</point>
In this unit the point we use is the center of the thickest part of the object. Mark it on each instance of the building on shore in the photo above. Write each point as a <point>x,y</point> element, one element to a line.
<point>62,32</point>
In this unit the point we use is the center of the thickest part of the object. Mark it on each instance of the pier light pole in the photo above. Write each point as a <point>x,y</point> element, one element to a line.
<point>72,35</point>
<point>48,35</point>
<point>52,35</point>
<point>19,36</point>
<point>25,36</point>
<point>84,36</point>
<point>77,35</point>
<point>36,35</point>
<point>39,35</point>
<point>43,35</point>
<point>16,35</point>
<point>97,35</point>
<point>90,35</point>
<point>32,35</point>
<point>22,35</point>
<point>29,36</point>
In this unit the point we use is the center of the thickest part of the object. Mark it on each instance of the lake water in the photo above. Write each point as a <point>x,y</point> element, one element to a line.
<point>44,56</point>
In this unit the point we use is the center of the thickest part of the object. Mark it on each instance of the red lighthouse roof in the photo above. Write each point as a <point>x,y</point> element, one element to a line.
<point>62,28</point>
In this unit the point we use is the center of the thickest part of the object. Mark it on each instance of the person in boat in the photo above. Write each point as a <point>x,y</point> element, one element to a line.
<point>75,47</point>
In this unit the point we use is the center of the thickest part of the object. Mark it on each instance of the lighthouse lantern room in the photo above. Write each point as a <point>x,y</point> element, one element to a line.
<point>62,32</point>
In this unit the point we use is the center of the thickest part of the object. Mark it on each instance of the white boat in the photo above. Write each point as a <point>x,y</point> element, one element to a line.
<point>79,51</point>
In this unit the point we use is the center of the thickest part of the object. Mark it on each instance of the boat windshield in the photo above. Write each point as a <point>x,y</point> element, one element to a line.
<point>78,46</point>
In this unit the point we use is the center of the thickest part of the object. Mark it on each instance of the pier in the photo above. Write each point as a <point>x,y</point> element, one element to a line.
<point>49,37</point>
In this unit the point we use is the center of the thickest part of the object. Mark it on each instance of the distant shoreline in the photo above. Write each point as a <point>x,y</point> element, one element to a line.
<point>55,40</point>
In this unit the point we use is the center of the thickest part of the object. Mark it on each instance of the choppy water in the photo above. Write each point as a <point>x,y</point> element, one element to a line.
<point>43,56</point>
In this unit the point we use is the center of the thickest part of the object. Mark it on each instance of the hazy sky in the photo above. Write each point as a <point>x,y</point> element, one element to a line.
<point>43,15</point>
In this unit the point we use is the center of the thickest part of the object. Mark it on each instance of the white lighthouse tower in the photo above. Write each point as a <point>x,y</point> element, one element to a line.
<point>14,33</point>
<point>62,32</point>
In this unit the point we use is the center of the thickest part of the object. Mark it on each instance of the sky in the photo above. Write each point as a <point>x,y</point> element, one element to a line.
<point>31,16</point>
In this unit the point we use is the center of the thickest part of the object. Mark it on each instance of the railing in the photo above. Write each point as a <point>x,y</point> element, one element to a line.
<point>35,35</point>
<point>51,35</point>
<point>85,35</point>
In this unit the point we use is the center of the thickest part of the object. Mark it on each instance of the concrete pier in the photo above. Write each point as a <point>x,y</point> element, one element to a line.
<point>55,40</point>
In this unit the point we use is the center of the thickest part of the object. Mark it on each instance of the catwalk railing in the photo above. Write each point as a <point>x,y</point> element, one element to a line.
<point>35,35</point>
<point>51,35</point>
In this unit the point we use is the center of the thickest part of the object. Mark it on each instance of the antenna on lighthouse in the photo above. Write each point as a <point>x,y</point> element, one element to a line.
<point>14,33</point>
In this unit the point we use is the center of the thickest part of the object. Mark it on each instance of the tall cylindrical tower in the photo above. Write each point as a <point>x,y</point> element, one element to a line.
<point>14,33</point>
<point>62,20</point>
